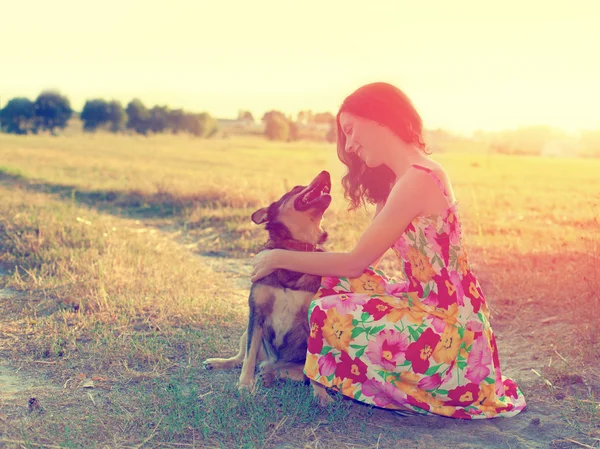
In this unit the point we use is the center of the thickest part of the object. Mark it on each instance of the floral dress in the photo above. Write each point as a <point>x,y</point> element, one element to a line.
<point>422,342</point>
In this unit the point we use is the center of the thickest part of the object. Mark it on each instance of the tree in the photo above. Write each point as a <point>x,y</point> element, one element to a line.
<point>17,116</point>
<point>138,117</point>
<point>201,125</point>
<point>277,128</point>
<point>176,120</point>
<point>99,113</point>
<point>280,127</point>
<point>273,113</point>
<point>210,125</point>
<point>159,119</point>
<point>323,118</point>
<point>52,111</point>
<point>95,113</point>
<point>117,117</point>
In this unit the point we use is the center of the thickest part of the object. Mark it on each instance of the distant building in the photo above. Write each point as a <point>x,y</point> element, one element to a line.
<point>239,126</point>
<point>313,126</point>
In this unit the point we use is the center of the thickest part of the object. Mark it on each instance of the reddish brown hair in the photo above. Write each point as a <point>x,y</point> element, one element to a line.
<point>389,106</point>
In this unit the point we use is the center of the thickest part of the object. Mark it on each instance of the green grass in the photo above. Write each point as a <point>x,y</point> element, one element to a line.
<point>245,420</point>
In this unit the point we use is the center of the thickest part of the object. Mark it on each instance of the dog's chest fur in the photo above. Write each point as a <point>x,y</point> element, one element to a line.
<point>279,303</point>
<point>288,307</point>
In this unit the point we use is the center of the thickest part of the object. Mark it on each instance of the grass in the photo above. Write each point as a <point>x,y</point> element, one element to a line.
<point>176,409</point>
<point>101,243</point>
<point>247,421</point>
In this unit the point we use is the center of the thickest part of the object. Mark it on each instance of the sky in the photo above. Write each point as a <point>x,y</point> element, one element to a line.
<point>466,64</point>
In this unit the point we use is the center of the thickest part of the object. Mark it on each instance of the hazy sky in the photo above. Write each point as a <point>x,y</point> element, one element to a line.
<point>466,64</point>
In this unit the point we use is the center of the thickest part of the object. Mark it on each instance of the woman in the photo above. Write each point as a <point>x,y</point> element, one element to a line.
<point>422,343</point>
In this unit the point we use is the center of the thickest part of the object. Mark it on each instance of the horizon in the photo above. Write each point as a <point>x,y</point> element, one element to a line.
<point>468,69</point>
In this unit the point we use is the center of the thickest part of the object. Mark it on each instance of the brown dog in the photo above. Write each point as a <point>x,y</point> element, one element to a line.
<point>278,329</point>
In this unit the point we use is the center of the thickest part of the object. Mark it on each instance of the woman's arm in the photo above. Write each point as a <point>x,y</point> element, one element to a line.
<point>332,264</point>
<point>404,203</point>
<point>378,209</point>
<point>321,264</point>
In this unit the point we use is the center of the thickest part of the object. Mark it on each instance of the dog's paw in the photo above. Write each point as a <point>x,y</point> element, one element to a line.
<point>246,385</point>
<point>325,400</point>
<point>267,378</point>
<point>320,392</point>
<point>208,364</point>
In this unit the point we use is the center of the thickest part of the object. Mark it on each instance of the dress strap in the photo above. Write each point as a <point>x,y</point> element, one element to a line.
<point>437,180</point>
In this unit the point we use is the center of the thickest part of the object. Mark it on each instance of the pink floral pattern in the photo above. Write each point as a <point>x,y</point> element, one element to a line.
<point>387,349</point>
<point>344,302</point>
<point>479,360</point>
<point>422,342</point>
<point>383,394</point>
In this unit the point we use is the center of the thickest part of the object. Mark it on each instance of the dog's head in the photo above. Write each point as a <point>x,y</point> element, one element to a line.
<point>297,215</point>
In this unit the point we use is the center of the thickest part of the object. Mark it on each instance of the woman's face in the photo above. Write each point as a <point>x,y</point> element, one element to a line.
<point>364,138</point>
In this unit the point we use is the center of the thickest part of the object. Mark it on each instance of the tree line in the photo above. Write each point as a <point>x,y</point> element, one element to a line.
<point>51,111</point>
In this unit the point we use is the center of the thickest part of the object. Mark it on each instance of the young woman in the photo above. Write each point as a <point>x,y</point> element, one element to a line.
<point>422,343</point>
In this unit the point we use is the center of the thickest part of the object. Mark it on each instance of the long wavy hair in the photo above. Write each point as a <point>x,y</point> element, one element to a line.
<point>389,106</point>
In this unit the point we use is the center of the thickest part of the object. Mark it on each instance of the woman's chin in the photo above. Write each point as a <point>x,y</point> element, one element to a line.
<point>370,164</point>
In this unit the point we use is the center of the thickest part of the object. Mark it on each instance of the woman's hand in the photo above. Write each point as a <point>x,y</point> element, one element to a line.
<point>263,265</point>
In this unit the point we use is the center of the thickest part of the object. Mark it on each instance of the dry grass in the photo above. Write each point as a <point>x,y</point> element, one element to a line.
<point>100,238</point>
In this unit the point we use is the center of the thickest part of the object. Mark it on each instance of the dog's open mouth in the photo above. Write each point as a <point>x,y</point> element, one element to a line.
<point>316,196</point>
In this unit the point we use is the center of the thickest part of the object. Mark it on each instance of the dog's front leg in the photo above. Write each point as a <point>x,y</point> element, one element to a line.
<point>254,345</point>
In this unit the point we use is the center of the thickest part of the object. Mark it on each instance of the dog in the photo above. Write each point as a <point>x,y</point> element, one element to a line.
<point>278,328</point>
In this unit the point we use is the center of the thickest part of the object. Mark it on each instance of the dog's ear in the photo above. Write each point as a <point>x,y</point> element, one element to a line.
<point>323,238</point>
<point>260,216</point>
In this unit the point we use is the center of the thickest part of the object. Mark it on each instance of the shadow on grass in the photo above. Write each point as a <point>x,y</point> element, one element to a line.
<point>125,203</point>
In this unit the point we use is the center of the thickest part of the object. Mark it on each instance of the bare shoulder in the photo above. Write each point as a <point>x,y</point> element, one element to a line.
<point>441,174</point>
<point>436,167</point>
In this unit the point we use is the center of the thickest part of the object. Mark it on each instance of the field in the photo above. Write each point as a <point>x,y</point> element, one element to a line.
<point>124,263</point>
